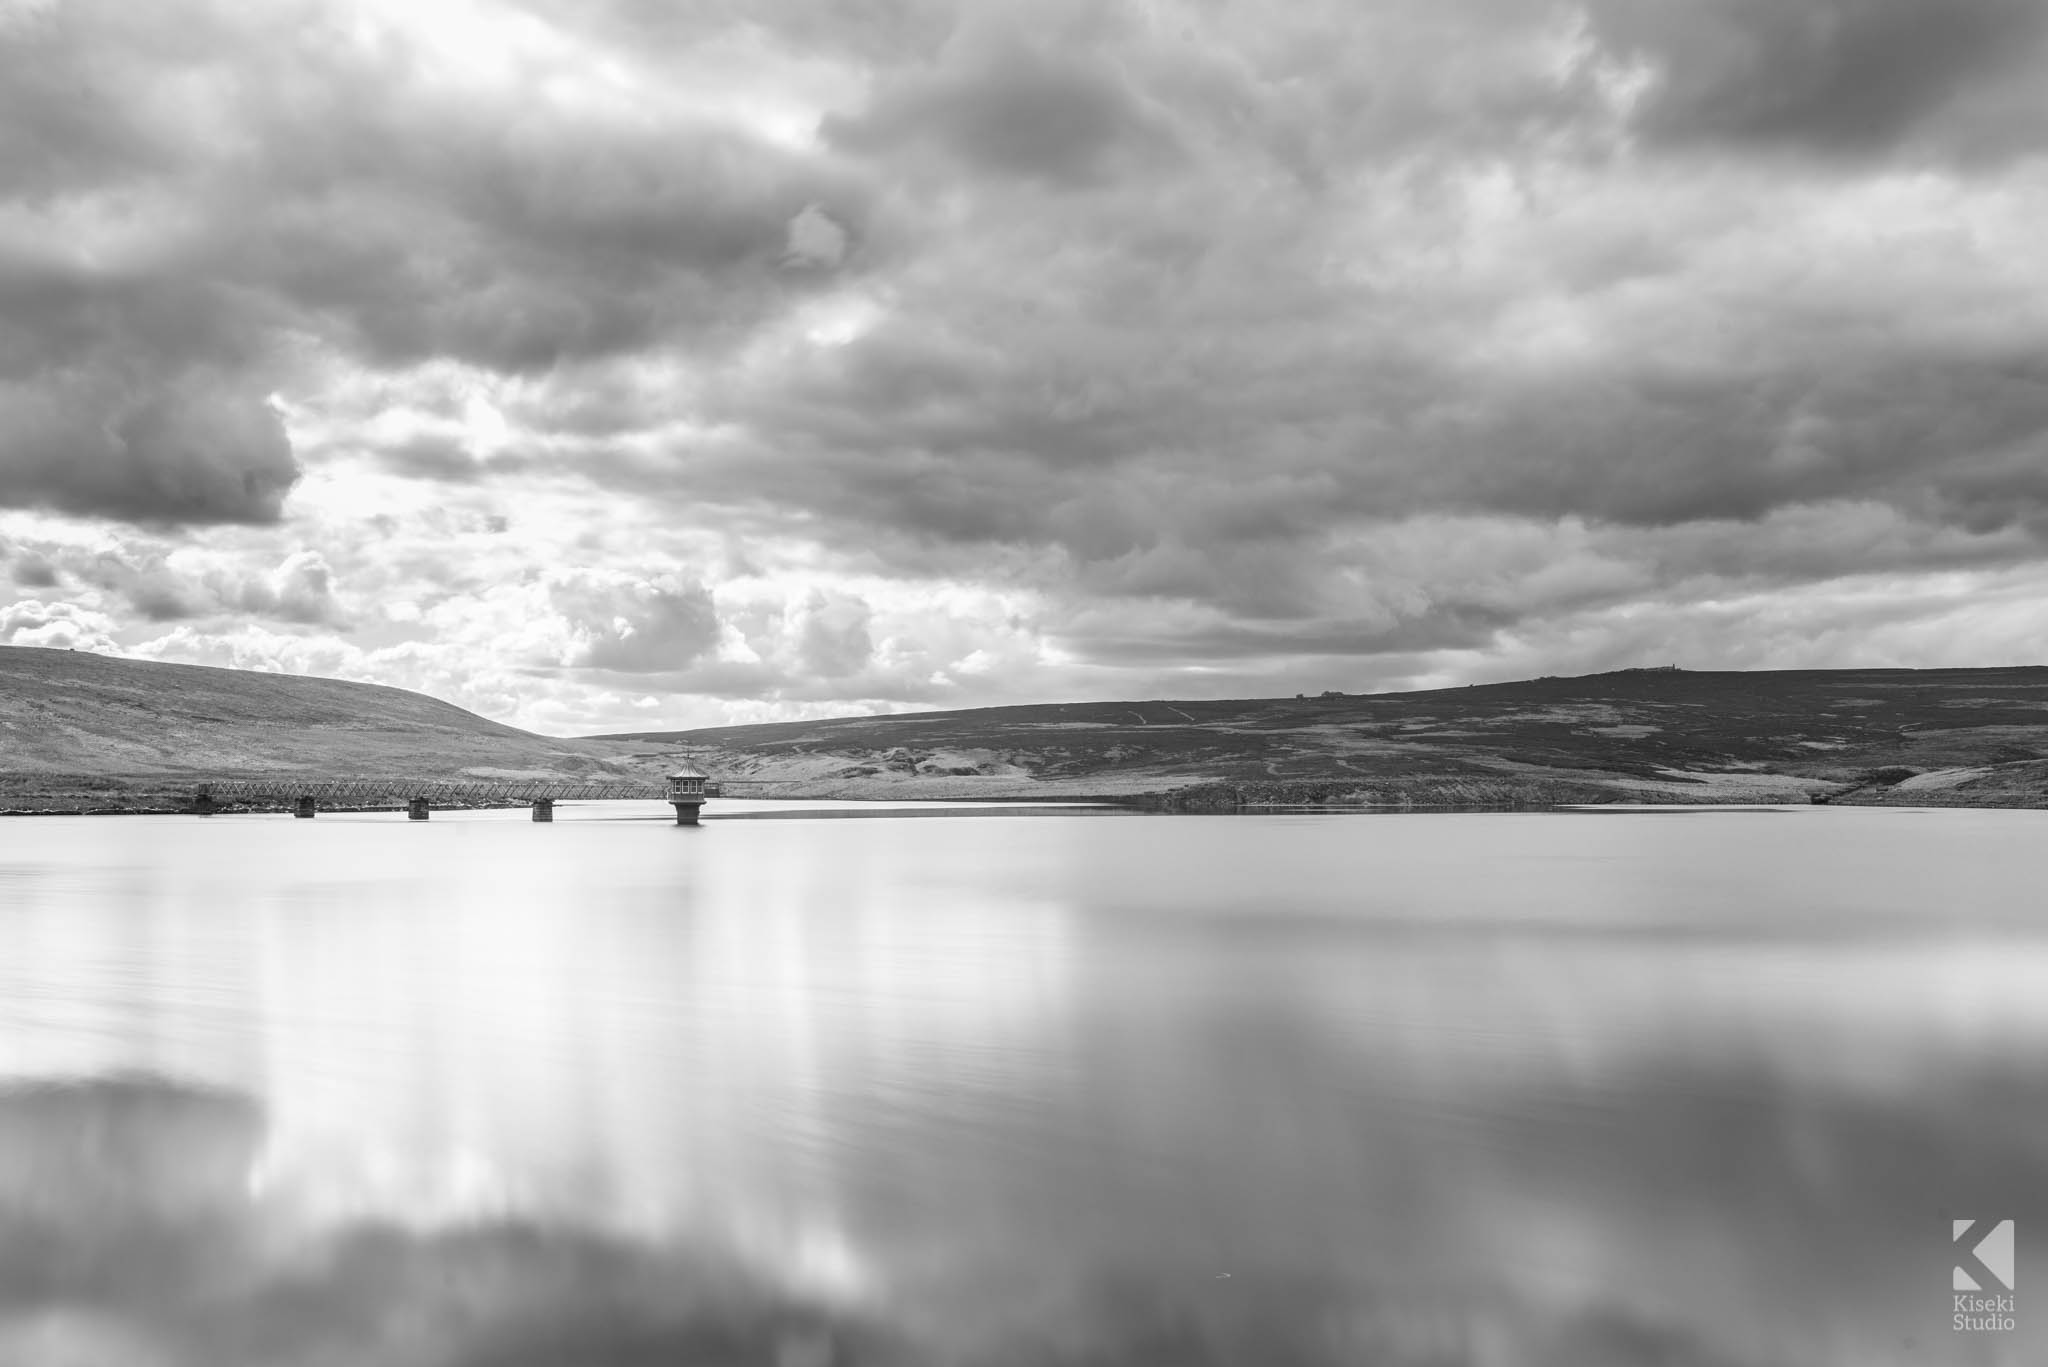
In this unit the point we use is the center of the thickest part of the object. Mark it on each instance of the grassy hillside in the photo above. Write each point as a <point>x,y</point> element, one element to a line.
<point>71,722</point>
<point>1973,736</point>
<point>74,723</point>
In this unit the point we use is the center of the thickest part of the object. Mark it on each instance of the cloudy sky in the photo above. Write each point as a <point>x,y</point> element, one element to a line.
<point>606,364</point>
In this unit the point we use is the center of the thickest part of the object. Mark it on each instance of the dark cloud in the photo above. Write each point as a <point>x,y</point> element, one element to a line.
<point>193,453</point>
<point>131,386</point>
<point>523,251</point>
<point>249,207</point>
<point>61,96</point>
<point>1948,435</point>
<point>34,572</point>
<point>1948,439</point>
<point>1000,102</point>
<point>1837,77</point>
<point>1165,454</point>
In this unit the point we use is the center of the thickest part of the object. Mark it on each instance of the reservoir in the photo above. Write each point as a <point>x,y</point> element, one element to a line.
<point>1565,1089</point>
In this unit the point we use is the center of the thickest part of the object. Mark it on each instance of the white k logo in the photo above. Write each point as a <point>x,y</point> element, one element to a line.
<point>1982,1250</point>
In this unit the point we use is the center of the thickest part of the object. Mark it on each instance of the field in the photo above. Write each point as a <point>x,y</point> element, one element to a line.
<point>132,733</point>
<point>1930,737</point>
<point>124,733</point>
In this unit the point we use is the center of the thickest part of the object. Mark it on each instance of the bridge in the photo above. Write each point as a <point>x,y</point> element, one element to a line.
<point>686,791</point>
<point>439,792</point>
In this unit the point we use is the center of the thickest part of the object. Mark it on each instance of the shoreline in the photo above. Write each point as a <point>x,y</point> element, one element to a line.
<point>1185,802</point>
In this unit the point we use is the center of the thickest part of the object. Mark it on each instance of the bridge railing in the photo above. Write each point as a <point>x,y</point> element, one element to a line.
<point>347,792</point>
<point>455,792</point>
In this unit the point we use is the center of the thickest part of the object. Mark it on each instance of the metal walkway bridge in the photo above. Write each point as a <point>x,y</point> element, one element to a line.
<point>440,792</point>
<point>443,792</point>
<point>686,792</point>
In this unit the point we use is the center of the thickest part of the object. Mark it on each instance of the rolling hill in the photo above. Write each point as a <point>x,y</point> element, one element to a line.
<point>1920,737</point>
<point>73,722</point>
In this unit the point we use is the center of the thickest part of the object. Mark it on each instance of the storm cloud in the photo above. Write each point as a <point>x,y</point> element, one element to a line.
<point>238,214</point>
<point>619,362</point>
<point>1832,77</point>
<point>997,99</point>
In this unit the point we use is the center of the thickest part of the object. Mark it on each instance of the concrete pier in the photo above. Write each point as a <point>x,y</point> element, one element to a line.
<point>301,794</point>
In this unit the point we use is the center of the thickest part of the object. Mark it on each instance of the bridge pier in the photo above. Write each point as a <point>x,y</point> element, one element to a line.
<point>686,791</point>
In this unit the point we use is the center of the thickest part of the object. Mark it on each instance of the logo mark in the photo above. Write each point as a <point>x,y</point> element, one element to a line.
<point>1982,1252</point>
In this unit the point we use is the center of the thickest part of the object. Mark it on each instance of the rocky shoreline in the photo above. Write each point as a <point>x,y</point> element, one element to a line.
<point>1421,792</point>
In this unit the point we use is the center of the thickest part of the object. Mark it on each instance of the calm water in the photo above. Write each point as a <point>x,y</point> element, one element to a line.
<point>1570,1089</point>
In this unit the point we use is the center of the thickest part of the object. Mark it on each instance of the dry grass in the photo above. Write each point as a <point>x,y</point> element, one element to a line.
<point>122,732</point>
<point>123,729</point>
<point>1787,736</point>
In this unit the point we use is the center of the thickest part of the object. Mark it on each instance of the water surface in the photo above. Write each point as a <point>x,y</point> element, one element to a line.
<point>1572,1089</point>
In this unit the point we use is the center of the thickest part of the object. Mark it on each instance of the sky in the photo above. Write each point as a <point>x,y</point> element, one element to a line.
<point>610,365</point>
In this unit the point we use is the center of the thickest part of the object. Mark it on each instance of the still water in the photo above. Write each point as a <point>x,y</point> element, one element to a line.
<point>1569,1089</point>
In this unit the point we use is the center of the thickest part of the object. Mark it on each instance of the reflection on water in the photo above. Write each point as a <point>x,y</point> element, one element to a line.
<point>1685,1088</point>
